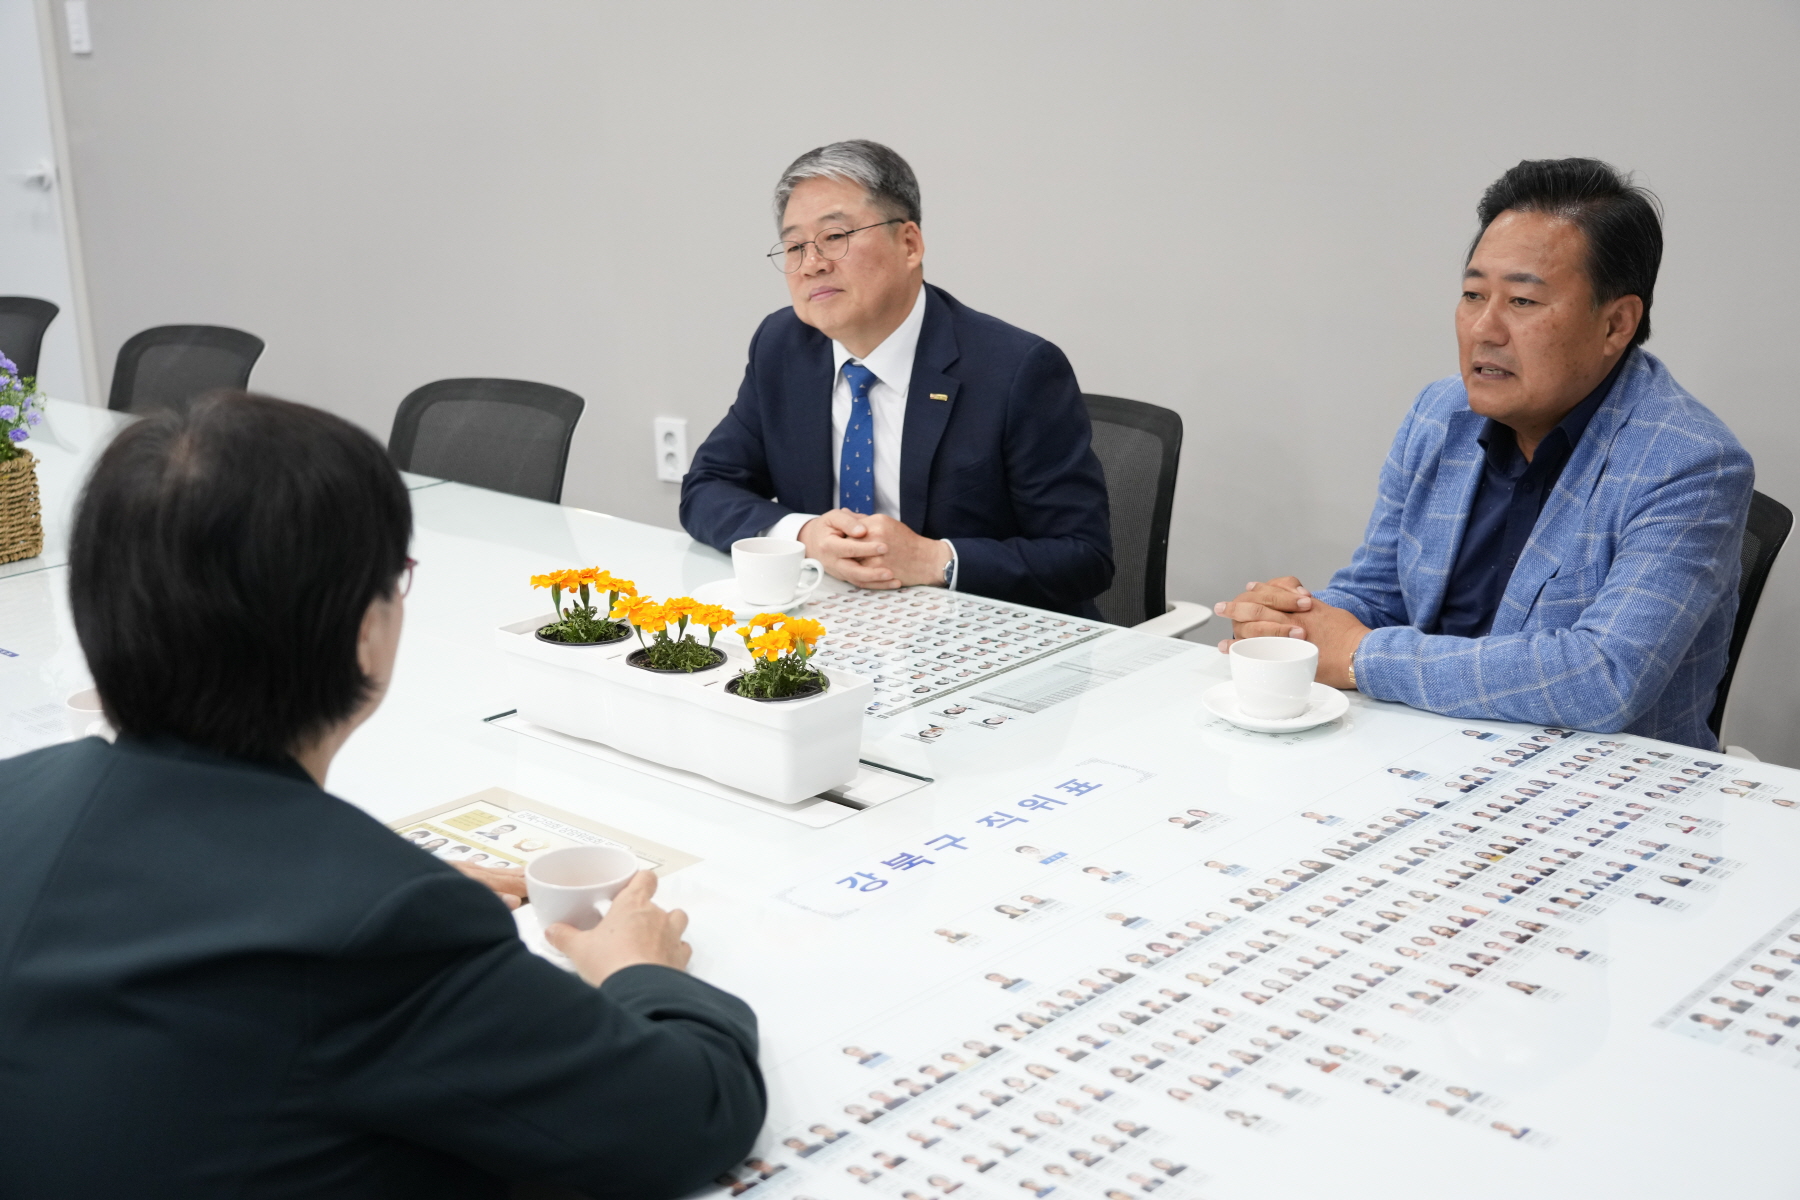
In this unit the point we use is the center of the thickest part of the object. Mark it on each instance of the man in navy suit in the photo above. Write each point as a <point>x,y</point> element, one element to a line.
<point>903,437</point>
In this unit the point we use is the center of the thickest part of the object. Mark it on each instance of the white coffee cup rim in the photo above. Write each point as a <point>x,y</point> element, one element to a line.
<point>1274,649</point>
<point>533,875</point>
<point>769,545</point>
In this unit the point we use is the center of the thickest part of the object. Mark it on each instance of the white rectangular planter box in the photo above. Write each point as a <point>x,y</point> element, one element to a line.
<point>785,751</point>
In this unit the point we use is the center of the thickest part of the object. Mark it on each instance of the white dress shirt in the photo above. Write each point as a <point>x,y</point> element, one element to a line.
<point>892,364</point>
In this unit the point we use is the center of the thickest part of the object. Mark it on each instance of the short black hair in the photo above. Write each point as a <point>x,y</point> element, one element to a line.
<point>220,566</point>
<point>1621,221</point>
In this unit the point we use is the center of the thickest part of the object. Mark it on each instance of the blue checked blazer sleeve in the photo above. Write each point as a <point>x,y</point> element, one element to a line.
<point>1619,612</point>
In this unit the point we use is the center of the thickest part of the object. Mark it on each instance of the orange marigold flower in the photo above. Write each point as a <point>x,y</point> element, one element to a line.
<point>646,614</point>
<point>804,629</point>
<point>606,581</point>
<point>682,606</point>
<point>712,616</point>
<point>544,581</point>
<point>765,620</point>
<point>772,644</point>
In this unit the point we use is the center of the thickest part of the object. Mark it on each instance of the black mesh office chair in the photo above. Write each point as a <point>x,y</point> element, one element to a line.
<point>1139,447</point>
<point>505,434</point>
<point>23,320</point>
<point>169,365</point>
<point>1765,530</point>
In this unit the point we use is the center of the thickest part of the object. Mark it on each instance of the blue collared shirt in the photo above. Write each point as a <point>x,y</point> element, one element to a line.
<point>1508,501</point>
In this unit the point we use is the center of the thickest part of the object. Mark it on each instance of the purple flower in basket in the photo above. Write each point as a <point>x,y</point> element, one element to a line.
<point>17,435</point>
<point>9,412</point>
<point>34,417</point>
<point>8,365</point>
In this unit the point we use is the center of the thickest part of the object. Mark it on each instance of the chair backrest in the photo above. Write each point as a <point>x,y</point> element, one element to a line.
<point>1139,447</point>
<point>166,367</point>
<point>509,435</point>
<point>23,320</point>
<point>1765,529</point>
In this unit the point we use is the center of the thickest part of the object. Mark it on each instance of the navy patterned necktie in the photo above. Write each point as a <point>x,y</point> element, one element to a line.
<point>856,466</point>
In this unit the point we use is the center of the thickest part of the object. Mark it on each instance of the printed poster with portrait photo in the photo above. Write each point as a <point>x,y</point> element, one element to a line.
<point>498,828</point>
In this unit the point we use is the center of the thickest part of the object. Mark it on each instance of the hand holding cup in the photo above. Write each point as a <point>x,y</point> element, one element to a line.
<point>635,931</point>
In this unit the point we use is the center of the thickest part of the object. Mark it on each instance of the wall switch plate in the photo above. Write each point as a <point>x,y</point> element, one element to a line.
<point>671,448</point>
<point>75,14</point>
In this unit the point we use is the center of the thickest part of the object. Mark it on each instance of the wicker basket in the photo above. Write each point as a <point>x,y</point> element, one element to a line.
<point>21,520</point>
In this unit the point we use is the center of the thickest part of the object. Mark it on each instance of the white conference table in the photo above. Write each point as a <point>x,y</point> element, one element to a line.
<point>1609,1104</point>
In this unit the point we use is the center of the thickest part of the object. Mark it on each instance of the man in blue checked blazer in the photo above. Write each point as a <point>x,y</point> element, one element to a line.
<point>902,436</point>
<point>1556,534</point>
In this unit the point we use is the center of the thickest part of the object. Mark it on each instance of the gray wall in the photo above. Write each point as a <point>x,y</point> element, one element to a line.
<point>1252,212</point>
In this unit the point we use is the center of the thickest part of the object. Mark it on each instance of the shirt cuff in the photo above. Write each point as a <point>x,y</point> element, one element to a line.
<point>789,526</point>
<point>955,563</point>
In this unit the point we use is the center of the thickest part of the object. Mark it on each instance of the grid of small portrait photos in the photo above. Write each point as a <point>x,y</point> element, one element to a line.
<point>1298,989</point>
<point>917,643</point>
<point>1752,1003</point>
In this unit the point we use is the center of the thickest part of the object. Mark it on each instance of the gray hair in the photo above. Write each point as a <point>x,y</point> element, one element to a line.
<point>890,183</point>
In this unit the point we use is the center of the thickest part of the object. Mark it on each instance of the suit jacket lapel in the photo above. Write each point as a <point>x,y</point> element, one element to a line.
<point>809,431</point>
<point>1552,540</point>
<point>926,417</point>
<point>1453,491</point>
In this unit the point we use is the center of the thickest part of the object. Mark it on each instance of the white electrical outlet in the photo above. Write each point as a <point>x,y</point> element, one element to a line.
<point>671,448</point>
<point>81,40</point>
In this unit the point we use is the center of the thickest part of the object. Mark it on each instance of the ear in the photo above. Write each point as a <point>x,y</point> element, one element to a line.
<point>913,238</point>
<point>365,639</point>
<point>1622,318</point>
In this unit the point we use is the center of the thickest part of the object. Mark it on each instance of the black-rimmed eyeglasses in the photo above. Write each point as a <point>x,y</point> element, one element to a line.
<point>406,574</point>
<point>831,243</point>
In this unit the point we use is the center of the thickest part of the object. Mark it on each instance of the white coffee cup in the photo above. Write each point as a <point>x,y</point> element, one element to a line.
<point>567,885</point>
<point>1273,676</point>
<point>768,570</point>
<point>86,717</point>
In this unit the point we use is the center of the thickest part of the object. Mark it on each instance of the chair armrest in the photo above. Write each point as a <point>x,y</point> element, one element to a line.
<point>1182,616</point>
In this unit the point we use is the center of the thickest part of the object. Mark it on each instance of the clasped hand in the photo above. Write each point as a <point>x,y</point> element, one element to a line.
<point>1284,608</point>
<point>873,552</point>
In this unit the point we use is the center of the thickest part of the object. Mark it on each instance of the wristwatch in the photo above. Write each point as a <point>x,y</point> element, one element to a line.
<point>1352,669</point>
<point>950,571</point>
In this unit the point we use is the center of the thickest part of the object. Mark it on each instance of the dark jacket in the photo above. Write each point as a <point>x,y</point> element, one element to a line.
<point>1002,466</point>
<point>216,979</point>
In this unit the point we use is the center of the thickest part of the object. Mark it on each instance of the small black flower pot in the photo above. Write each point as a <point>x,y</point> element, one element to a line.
<point>811,689</point>
<point>641,660</point>
<point>611,641</point>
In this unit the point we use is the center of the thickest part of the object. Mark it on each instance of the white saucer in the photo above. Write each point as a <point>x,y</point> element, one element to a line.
<point>1324,704</point>
<point>724,593</point>
<point>531,932</point>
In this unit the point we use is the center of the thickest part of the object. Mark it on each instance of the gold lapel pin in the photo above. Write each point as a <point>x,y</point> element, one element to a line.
<point>939,396</point>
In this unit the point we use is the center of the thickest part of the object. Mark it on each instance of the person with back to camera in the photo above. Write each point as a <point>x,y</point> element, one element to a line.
<point>320,1009</point>
<point>902,436</point>
<point>1557,529</point>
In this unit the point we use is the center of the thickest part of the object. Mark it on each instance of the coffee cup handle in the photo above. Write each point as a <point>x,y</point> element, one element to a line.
<point>806,589</point>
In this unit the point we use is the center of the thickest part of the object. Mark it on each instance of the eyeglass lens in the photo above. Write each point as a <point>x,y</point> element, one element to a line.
<point>831,243</point>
